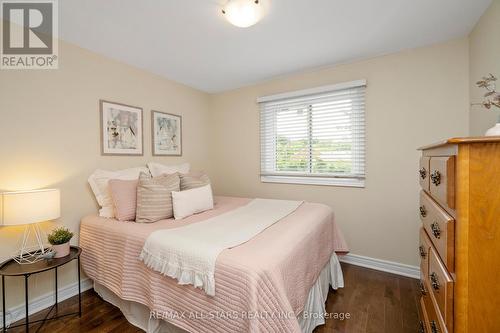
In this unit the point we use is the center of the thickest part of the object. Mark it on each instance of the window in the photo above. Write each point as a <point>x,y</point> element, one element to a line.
<point>314,136</point>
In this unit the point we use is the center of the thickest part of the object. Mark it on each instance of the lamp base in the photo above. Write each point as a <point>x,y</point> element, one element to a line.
<point>31,254</point>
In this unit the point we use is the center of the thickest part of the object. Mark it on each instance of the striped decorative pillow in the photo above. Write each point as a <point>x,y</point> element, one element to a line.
<point>154,197</point>
<point>193,180</point>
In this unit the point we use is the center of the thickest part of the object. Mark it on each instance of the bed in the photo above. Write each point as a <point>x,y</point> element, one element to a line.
<point>267,284</point>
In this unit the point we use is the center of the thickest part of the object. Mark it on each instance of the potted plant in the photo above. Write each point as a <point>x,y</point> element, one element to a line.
<point>491,100</point>
<point>59,239</point>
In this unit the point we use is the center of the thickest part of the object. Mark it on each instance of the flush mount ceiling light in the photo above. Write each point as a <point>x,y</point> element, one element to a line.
<point>243,13</point>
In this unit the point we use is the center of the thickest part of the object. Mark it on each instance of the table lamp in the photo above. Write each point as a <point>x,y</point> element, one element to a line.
<point>29,208</point>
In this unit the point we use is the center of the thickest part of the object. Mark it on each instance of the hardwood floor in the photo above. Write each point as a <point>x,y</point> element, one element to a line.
<point>375,301</point>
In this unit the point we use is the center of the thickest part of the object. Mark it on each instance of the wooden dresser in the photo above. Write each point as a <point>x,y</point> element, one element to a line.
<point>460,236</point>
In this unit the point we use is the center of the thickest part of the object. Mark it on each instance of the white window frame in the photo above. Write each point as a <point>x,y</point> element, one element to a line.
<point>314,179</point>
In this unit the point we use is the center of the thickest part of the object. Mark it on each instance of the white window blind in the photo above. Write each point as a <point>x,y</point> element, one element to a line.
<point>315,136</point>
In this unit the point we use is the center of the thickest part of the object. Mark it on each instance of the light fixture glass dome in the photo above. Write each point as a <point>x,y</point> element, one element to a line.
<point>243,13</point>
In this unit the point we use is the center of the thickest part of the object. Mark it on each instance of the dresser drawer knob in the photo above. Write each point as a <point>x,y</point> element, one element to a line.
<point>436,177</point>
<point>422,288</point>
<point>423,173</point>
<point>434,328</point>
<point>436,231</point>
<point>434,281</point>
<point>421,249</point>
<point>421,328</point>
<point>423,211</point>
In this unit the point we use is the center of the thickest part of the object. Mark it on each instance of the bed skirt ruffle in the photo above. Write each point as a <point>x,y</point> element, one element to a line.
<point>140,316</point>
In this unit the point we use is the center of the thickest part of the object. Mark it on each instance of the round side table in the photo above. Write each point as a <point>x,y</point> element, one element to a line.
<point>12,268</point>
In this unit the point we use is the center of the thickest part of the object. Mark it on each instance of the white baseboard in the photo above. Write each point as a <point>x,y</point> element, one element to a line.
<point>44,301</point>
<point>382,265</point>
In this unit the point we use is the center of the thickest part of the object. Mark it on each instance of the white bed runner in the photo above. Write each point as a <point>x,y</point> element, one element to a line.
<point>188,253</point>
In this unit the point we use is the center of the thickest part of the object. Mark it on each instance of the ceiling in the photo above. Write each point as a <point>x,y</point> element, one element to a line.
<point>190,42</point>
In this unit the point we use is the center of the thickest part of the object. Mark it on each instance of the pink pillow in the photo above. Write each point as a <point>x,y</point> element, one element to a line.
<point>124,197</point>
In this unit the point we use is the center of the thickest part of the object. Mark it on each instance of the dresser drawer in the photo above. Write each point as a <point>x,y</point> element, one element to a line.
<point>440,228</point>
<point>440,285</point>
<point>442,180</point>
<point>434,324</point>
<point>423,321</point>
<point>423,249</point>
<point>423,173</point>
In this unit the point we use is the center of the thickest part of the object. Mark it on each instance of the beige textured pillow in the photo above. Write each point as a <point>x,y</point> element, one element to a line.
<point>193,180</point>
<point>154,197</point>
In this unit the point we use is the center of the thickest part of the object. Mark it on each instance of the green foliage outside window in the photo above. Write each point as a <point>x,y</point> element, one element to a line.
<point>293,155</point>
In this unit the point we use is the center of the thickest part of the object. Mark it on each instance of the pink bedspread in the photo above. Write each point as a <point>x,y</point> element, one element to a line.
<point>260,285</point>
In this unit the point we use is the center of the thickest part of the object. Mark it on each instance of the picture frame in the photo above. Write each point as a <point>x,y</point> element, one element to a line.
<point>121,129</point>
<point>166,134</point>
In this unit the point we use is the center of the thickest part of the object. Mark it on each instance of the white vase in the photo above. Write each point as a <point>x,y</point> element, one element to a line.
<point>61,250</point>
<point>494,131</point>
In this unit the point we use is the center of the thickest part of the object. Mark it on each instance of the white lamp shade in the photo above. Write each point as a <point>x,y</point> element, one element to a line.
<point>26,207</point>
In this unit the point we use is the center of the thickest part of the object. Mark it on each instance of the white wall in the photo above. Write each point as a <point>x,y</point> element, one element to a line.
<point>49,136</point>
<point>413,98</point>
<point>484,59</point>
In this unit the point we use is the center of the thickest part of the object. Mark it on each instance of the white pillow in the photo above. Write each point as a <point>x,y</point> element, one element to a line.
<point>99,183</point>
<point>158,169</point>
<point>189,202</point>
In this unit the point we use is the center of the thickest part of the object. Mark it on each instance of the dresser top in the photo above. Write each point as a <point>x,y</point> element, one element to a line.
<point>463,140</point>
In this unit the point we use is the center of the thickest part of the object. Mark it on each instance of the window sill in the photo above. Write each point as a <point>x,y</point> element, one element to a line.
<point>343,182</point>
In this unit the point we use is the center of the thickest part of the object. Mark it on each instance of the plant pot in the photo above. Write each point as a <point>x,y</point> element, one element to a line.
<point>494,131</point>
<point>61,250</point>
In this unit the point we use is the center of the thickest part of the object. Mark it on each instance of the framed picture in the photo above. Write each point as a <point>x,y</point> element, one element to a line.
<point>121,129</point>
<point>166,130</point>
